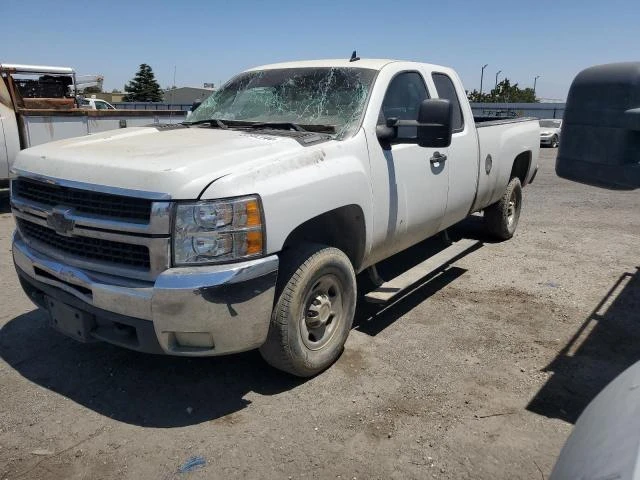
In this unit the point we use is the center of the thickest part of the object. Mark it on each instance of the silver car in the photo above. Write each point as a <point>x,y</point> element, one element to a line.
<point>550,132</point>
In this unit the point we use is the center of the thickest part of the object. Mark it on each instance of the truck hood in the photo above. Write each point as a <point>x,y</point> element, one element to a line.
<point>174,161</point>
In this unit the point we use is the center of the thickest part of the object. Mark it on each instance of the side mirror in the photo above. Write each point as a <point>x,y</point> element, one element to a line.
<point>434,126</point>
<point>435,123</point>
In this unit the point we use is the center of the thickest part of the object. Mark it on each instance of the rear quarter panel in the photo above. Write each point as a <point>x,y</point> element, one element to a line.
<point>500,144</point>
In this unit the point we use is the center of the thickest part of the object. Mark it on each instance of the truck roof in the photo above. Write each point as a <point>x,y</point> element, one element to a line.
<point>372,63</point>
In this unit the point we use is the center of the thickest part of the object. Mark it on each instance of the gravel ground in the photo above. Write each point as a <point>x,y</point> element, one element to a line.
<point>478,373</point>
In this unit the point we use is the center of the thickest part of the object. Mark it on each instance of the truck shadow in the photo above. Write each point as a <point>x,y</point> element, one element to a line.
<point>136,388</point>
<point>472,227</point>
<point>164,392</point>
<point>5,206</point>
<point>604,346</point>
<point>373,319</point>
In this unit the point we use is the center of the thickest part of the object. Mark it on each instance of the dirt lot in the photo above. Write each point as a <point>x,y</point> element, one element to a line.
<point>479,373</point>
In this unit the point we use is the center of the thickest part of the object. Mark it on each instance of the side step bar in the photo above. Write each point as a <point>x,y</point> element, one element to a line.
<point>388,290</point>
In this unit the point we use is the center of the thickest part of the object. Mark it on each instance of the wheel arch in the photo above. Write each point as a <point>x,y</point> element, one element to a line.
<point>343,228</point>
<point>521,166</point>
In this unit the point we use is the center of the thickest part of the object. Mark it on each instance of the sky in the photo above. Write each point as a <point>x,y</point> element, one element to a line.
<point>210,41</point>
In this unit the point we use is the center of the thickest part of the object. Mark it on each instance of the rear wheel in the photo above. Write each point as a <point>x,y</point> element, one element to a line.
<point>314,311</point>
<point>501,218</point>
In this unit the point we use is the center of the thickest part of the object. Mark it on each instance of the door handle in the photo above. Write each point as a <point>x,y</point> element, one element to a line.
<point>438,157</point>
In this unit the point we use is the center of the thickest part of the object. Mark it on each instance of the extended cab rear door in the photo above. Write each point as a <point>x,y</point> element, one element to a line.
<point>463,152</point>
<point>409,191</point>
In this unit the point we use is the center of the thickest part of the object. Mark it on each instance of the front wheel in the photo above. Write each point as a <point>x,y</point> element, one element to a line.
<point>313,314</point>
<point>554,141</point>
<point>501,218</point>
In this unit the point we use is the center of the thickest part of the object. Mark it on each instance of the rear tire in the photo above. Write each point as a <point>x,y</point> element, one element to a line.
<point>314,310</point>
<point>501,218</point>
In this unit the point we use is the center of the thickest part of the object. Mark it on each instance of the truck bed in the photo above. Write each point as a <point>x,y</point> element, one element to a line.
<point>499,145</point>
<point>490,121</point>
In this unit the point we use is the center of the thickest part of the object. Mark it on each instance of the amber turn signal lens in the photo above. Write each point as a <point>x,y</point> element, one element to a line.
<point>253,214</point>
<point>254,243</point>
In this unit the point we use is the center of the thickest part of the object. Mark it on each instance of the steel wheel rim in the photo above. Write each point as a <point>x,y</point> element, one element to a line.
<point>323,312</point>
<point>512,208</point>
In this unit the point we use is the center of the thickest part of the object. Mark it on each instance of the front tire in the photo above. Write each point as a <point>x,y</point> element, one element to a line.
<point>501,218</point>
<point>554,141</point>
<point>314,310</point>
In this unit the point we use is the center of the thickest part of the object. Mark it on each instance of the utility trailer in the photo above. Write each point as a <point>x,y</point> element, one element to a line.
<point>39,110</point>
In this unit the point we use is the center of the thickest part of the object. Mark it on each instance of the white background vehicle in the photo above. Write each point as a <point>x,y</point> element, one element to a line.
<point>27,121</point>
<point>95,104</point>
<point>246,228</point>
<point>550,132</point>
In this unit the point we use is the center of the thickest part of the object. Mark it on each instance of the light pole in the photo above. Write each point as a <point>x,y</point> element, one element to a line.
<point>497,73</point>
<point>535,80</point>
<point>481,77</point>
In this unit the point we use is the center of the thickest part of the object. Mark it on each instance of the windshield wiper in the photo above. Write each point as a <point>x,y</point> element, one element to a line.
<point>317,128</point>
<point>279,126</point>
<point>214,122</point>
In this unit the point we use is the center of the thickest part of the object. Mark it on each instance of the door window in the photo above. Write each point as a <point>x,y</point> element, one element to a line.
<point>447,91</point>
<point>402,101</point>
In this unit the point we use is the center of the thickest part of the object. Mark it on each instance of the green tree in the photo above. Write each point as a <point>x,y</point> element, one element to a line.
<point>478,97</point>
<point>504,92</point>
<point>143,87</point>
<point>95,89</point>
<point>115,90</point>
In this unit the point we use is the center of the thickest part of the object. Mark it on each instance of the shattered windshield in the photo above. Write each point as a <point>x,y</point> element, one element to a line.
<point>303,96</point>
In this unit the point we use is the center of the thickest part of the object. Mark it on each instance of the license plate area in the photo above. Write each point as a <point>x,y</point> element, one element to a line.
<point>70,321</point>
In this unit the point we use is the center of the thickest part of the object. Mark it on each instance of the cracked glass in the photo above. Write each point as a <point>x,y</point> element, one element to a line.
<point>330,96</point>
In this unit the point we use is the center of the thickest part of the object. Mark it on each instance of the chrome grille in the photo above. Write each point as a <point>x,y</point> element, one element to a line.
<point>117,253</point>
<point>83,201</point>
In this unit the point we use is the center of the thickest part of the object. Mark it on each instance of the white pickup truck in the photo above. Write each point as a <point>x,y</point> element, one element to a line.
<point>246,227</point>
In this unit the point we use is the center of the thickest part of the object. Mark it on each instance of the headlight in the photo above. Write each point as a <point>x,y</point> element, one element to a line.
<point>217,231</point>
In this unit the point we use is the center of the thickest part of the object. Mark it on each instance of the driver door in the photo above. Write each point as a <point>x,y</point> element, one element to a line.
<point>410,192</point>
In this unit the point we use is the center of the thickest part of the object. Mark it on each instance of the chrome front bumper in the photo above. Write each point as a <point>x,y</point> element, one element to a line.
<point>196,311</point>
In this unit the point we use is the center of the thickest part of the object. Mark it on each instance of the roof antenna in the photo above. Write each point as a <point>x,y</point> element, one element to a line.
<point>354,57</point>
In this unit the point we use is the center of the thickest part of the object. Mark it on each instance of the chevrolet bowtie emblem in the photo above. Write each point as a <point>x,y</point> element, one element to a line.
<point>59,219</point>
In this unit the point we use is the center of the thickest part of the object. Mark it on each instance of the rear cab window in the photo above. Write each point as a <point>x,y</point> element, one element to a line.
<point>446,90</point>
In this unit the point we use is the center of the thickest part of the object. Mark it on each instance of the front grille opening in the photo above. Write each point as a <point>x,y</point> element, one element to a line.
<point>83,290</point>
<point>84,201</point>
<point>117,253</point>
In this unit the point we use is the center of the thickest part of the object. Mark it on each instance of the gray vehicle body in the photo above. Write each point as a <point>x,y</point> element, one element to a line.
<point>550,131</point>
